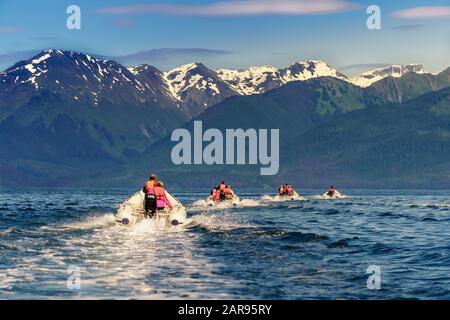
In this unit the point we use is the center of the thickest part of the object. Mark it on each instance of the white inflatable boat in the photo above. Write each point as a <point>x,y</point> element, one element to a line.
<point>285,197</point>
<point>336,195</point>
<point>224,203</point>
<point>132,211</point>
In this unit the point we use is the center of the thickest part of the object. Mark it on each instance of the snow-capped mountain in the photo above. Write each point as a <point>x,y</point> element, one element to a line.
<point>190,88</point>
<point>396,71</point>
<point>79,77</point>
<point>67,114</point>
<point>249,81</point>
<point>257,80</point>
<point>197,87</point>
<point>87,106</point>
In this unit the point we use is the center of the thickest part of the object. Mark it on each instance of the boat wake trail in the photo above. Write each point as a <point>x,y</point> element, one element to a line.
<point>218,221</point>
<point>244,203</point>
<point>92,222</point>
<point>269,198</point>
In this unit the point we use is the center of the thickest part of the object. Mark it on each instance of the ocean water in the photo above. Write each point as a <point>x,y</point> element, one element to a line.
<point>308,249</point>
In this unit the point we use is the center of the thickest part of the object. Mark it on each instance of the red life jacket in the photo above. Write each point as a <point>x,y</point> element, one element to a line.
<point>227,190</point>
<point>289,189</point>
<point>159,192</point>
<point>217,195</point>
<point>160,197</point>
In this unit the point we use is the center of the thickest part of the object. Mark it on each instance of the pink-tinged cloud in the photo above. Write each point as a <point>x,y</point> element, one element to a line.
<point>423,12</point>
<point>7,29</point>
<point>124,23</point>
<point>237,8</point>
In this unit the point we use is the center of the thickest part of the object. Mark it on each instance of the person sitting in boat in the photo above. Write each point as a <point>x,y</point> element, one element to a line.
<point>281,190</point>
<point>221,188</point>
<point>289,190</point>
<point>150,203</point>
<point>212,194</point>
<point>228,193</point>
<point>331,191</point>
<point>161,199</point>
<point>216,196</point>
<point>149,184</point>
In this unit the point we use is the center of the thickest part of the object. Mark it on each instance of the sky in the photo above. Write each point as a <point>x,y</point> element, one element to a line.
<point>233,33</point>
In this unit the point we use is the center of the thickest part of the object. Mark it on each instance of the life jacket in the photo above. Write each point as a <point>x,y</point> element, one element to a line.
<point>228,193</point>
<point>150,184</point>
<point>289,189</point>
<point>160,195</point>
<point>217,195</point>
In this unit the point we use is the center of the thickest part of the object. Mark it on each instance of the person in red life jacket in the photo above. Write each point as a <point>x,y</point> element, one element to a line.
<point>289,190</point>
<point>161,198</point>
<point>331,191</point>
<point>150,204</point>
<point>217,195</point>
<point>222,187</point>
<point>150,184</point>
<point>228,192</point>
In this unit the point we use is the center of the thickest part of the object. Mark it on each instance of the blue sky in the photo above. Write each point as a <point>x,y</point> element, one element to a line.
<point>233,33</point>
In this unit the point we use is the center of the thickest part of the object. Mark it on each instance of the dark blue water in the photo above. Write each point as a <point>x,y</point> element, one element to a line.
<point>313,249</point>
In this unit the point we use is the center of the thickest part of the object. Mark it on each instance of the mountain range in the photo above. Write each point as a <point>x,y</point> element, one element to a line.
<point>71,118</point>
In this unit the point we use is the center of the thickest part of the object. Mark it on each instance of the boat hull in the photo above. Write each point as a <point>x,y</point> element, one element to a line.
<point>132,211</point>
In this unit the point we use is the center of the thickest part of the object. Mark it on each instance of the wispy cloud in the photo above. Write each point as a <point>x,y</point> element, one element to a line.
<point>366,66</point>
<point>45,38</point>
<point>9,58</point>
<point>8,29</point>
<point>124,23</point>
<point>409,27</point>
<point>153,56</point>
<point>157,55</point>
<point>237,8</point>
<point>17,55</point>
<point>358,68</point>
<point>430,12</point>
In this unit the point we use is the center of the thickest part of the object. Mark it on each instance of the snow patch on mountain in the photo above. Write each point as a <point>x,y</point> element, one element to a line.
<point>248,81</point>
<point>256,80</point>
<point>304,70</point>
<point>396,71</point>
<point>189,76</point>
